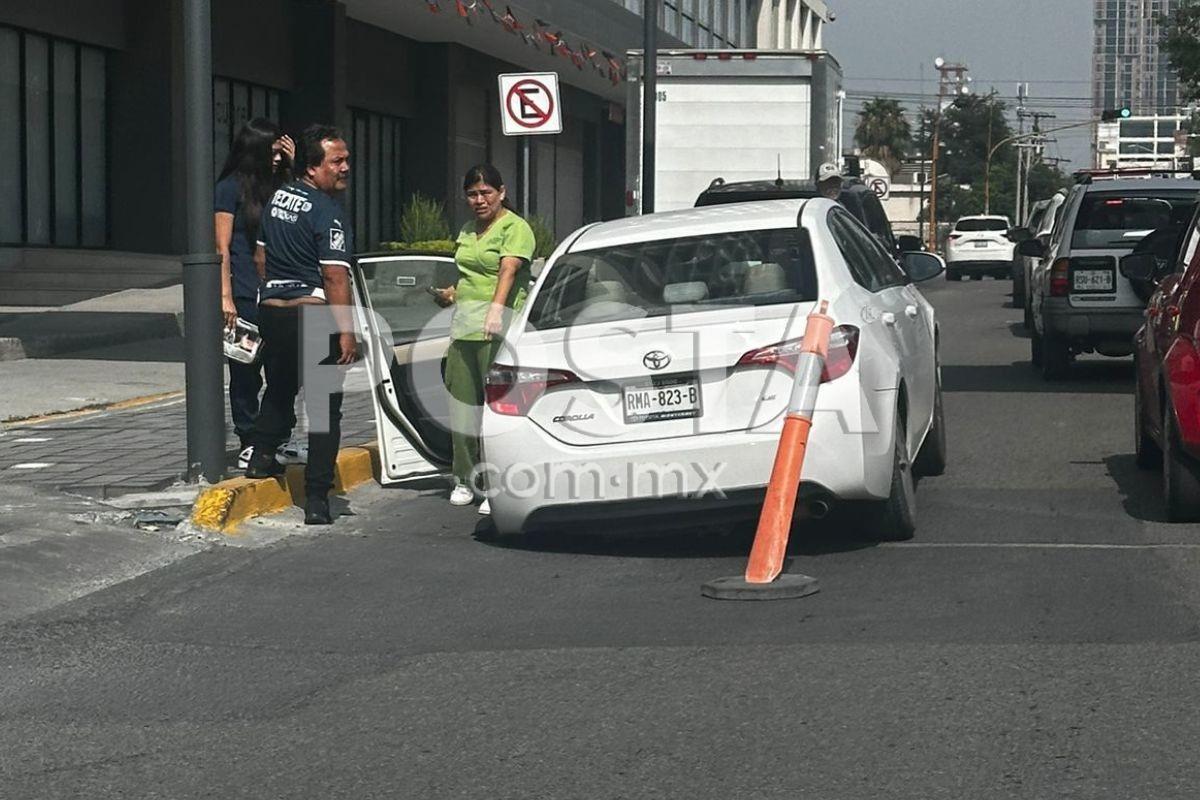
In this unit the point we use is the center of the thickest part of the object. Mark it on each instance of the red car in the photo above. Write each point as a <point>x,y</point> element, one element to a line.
<point>1167,363</point>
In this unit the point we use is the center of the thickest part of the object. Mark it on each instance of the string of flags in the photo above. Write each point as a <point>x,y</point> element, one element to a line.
<point>536,33</point>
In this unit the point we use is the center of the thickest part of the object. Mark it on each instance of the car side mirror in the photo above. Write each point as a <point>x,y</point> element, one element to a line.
<point>1141,267</point>
<point>1032,248</point>
<point>1019,235</point>
<point>921,266</point>
<point>907,243</point>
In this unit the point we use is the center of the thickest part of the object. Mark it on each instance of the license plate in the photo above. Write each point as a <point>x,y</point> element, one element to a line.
<point>981,244</point>
<point>665,398</point>
<point>1092,280</point>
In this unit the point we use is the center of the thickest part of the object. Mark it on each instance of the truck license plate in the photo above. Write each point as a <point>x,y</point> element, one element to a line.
<point>671,398</point>
<point>1092,280</point>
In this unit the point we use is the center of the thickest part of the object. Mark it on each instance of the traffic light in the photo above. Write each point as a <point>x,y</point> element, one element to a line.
<point>1114,114</point>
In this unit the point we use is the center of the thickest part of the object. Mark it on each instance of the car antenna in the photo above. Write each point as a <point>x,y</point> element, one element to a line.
<point>778,171</point>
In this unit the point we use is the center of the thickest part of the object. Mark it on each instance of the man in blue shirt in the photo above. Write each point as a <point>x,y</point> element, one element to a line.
<point>306,246</point>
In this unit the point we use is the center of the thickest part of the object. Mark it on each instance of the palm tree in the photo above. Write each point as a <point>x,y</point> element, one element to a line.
<point>883,133</point>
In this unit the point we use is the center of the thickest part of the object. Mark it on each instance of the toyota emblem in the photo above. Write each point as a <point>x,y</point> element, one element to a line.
<point>656,359</point>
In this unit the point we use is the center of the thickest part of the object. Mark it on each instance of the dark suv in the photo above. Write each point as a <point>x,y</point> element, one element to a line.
<point>856,198</point>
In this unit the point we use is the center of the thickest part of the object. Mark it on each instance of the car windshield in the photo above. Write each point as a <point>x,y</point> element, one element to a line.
<point>1120,220</point>
<point>671,276</point>
<point>986,224</point>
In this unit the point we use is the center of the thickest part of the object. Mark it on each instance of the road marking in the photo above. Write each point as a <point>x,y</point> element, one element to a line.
<point>31,440</point>
<point>32,465</point>
<point>89,411</point>
<point>1040,546</point>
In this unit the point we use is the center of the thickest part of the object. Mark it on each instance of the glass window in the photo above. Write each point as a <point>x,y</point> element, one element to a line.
<point>234,104</point>
<point>37,140</point>
<point>376,193</point>
<point>66,145</point>
<point>982,224</point>
<point>671,276</point>
<point>93,148</point>
<point>870,265</point>
<point>1108,220</point>
<point>1140,129</point>
<point>11,226</point>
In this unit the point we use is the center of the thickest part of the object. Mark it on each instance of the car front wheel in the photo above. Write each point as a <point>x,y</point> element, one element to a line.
<point>931,458</point>
<point>1146,451</point>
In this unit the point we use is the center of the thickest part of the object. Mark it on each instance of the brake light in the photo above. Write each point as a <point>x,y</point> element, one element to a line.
<point>954,236</point>
<point>700,56</point>
<point>512,391</point>
<point>1060,284</point>
<point>843,347</point>
<point>1114,202</point>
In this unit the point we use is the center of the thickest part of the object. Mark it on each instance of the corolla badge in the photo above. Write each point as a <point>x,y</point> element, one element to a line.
<point>656,359</point>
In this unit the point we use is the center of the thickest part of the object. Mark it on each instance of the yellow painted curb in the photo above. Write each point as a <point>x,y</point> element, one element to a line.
<point>222,507</point>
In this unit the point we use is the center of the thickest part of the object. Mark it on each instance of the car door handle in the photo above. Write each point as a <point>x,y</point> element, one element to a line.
<point>888,318</point>
<point>910,312</point>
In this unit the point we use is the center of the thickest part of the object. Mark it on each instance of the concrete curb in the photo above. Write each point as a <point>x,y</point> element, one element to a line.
<point>52,333</point>
<point>224,506</point>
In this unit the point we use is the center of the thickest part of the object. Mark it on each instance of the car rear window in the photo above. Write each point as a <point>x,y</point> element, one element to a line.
<point>671,276</point>
<point>1109,220</point>
<point>967,225</point>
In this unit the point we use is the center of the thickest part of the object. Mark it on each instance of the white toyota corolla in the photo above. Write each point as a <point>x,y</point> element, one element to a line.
<point>649,373</point>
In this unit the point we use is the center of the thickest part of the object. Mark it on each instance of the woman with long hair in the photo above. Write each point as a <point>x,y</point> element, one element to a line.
<point>258,164</point>
<point>493,256</point>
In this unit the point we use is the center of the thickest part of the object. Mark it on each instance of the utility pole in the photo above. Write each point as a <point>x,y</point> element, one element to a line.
<point>1022,113</point>
<point>952,80</point>
<point>649,100</point>
<point>204,370</point>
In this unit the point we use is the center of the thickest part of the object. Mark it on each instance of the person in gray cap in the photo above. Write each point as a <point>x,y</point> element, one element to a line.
<point>829,180</point>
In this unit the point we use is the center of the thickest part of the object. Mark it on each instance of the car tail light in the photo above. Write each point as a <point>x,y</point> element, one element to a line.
<point>512,391</point>
<point>1060,283</point>
<point>843,347</point>
<point>954,236</point>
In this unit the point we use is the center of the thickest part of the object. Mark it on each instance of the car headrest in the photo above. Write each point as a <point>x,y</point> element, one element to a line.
<point>686,292</point>
<point>762,278</point>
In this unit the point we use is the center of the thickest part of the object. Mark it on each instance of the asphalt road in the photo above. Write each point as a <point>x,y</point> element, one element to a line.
<point>1035,640</point>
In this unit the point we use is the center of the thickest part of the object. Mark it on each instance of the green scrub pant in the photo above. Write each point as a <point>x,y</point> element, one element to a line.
<point>467,364</point>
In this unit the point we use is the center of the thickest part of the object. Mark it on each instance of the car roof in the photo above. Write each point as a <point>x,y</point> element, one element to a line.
<point>982,216</point>
<point>1141,185</point>
<point>751,216</point>
<point>750,191</point>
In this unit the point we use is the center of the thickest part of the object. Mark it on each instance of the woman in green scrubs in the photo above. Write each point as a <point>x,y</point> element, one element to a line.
<point>493,256</point>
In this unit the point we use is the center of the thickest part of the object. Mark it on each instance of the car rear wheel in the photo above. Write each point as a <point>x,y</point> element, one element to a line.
<point>1028,303</point>
<point>953,274</point>
<point>1146,451</point>
<point>894,519</point>
<point>1056,357</point>
<point>931,458</point>
<point>1181,487</point>
<point>1018,290</point>
<point>1035,348</point>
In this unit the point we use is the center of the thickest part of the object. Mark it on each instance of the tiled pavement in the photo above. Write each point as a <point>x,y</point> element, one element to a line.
<point>110,453</point>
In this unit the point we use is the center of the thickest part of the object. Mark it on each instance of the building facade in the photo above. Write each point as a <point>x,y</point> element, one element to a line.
<point>1129,69</point>
<point>1142,142</point>
<point>91,116</point>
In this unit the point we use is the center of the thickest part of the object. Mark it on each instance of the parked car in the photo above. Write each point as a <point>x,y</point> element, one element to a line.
<point>856,196</point>
<point>649,373</point>
<point>1081,304</point>
<point>978,246</point>
<point>1167,394</point>
<point>1042,219</point>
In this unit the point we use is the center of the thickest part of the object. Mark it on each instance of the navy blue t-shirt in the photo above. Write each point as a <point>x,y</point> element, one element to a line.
<point>302,231</point>
<point>228,198</point>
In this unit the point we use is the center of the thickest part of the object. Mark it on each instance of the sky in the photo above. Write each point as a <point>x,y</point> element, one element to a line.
<point>887,46</point>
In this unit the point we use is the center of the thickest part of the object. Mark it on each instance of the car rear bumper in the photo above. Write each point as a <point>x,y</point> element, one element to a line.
<point>538,481</point>
<point>977,267</point>
<point>1091,324</point>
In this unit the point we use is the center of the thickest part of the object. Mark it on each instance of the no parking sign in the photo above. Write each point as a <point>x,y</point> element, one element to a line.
<point>529,103</point>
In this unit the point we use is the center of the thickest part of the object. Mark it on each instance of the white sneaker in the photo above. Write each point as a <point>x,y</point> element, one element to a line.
<point>294,452</point>
<point>485,508</point>
<point>244,457</point>
<point>462,495</point>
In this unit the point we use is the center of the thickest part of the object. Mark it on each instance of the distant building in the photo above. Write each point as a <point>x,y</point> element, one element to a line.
<point>761,24</point>
<point>1148,142</point>
<point>1129,70</point>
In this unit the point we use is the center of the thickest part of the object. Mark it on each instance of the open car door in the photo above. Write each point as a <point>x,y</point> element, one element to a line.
<point>407,335</point>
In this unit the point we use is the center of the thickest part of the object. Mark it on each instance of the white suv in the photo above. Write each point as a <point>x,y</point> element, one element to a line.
<point>979,246</point>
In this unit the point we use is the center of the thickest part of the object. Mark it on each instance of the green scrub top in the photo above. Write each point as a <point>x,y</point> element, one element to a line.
<point>478,259</point>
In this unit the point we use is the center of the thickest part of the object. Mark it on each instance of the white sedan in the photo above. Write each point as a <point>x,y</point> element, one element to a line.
<point>649,374</point>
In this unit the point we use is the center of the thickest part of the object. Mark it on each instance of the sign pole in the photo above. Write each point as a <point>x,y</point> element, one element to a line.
<point>527,183</point>
<point>649,101</point>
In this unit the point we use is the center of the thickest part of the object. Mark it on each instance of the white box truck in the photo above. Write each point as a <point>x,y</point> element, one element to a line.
<point>740,115</point>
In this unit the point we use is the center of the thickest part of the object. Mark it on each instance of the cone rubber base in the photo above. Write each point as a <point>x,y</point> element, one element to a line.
<point>785,587</point>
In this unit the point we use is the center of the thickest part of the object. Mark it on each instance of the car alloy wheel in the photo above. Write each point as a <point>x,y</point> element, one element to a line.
<point>894,519</point>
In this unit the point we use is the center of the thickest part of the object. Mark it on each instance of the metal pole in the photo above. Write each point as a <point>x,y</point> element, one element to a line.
<point>526,184</point>
<point>649,100</point>
<point>204,370</point>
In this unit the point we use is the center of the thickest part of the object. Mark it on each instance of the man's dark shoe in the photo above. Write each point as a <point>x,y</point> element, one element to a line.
<point>264,465</point>
<point>316,511</point>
